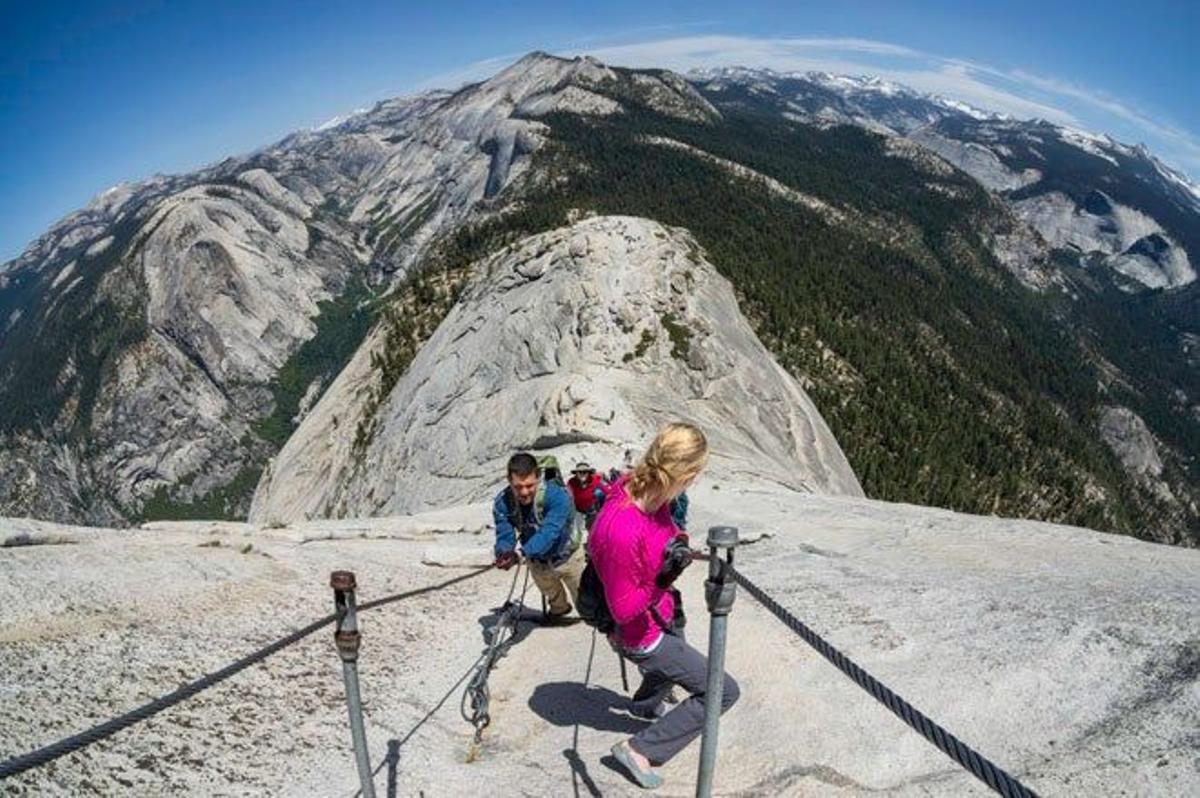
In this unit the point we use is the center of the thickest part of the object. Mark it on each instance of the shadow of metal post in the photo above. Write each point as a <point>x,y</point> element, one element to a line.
<point>578,766</point>
<point>393,765</point>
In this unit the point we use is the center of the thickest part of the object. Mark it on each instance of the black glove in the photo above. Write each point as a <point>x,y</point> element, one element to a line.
<point>676,557</point>
<point>506,560</point>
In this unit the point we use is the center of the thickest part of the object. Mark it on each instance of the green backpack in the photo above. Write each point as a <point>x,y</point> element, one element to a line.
<point>548,465</point>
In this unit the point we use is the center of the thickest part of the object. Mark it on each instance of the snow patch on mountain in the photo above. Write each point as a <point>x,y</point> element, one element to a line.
<point>1088,142</point>
<point>1178,180</point>
<point>906,107</point>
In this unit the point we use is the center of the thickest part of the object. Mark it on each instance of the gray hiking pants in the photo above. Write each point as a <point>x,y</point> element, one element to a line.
<point>673,662</point>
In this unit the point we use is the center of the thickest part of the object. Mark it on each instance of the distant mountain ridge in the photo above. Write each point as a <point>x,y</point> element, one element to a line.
<point>160,343</point>
<point>163,344</point>
<point>1066,183</point>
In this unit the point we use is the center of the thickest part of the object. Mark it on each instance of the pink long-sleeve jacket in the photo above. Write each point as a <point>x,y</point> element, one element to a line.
<point>626,546</point>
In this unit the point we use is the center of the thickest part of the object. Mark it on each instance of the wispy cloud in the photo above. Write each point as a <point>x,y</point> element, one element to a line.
<point>626,35</point>
<point>470,73</point>
<point>1097,99</point>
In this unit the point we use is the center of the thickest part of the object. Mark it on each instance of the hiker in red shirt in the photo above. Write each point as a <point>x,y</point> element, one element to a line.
<point>587,490</point>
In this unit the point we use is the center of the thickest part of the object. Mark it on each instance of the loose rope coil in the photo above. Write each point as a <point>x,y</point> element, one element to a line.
<point>501,636</point>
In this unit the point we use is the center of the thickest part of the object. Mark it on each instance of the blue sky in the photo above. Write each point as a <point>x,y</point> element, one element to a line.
<point>92,94</point>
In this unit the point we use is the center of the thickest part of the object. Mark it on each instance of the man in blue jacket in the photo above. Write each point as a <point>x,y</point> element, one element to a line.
<point>535,519</point>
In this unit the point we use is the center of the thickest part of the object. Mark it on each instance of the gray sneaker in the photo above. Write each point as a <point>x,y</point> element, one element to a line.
<point>659,709</point>
<point>646,779</point>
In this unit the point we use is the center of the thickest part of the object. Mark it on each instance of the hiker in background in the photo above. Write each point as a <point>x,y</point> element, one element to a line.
<point>679,510</point>
<point>587,491</point>
<point>534,519</point>
<point>626,466</point>
<point>638,552</point>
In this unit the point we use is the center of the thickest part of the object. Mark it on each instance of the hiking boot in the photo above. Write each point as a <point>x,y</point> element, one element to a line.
<point>557,618</point>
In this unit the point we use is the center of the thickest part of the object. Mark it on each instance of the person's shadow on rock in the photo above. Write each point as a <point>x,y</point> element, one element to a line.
<point>571,703</point>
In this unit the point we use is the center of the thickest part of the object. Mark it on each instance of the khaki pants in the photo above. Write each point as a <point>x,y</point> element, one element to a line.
<point>551,581</point>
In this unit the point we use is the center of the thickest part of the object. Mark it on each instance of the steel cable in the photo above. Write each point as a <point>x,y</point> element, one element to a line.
<point>978,765</point>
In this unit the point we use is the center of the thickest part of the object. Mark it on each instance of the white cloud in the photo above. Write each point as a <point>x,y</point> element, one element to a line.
<point>957,79</point>
<point>1185,140</point>
<point>961,82</point>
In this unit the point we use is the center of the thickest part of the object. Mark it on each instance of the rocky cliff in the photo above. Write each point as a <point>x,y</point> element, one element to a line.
<point>1114,204</point>
<point>142,361</point>
<point>579,342</point>
<point>151,355</point>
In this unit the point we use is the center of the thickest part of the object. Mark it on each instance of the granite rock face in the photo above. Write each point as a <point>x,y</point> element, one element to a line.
<point>1135,446</point>
<point>1066,656</point>
<point>208,289</point>
<point>580,342</point>
<point>198,288</point>
<point>1120,237</point>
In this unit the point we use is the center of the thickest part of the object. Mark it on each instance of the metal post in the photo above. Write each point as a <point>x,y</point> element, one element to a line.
<point>719,594</point>
<point>347,639</point>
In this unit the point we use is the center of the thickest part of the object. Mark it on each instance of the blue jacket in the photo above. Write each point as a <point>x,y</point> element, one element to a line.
<point>550,541</point>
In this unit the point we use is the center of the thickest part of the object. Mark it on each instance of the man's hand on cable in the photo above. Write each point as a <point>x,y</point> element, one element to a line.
<point>676,556</point>
<point>506,560</point>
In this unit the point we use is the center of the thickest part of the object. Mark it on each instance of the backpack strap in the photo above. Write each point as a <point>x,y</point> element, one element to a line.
<point>666,627</point>
<point>539,503</point>
<point>575,522</point>
<point>678,622</point>
<point>513,507</point>
<point>578,527</point>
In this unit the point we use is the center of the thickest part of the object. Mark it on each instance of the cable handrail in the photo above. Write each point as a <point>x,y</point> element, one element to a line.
<point>67,745</point>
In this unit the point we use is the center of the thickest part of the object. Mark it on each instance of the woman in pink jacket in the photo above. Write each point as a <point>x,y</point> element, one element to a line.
<point>638,552</point>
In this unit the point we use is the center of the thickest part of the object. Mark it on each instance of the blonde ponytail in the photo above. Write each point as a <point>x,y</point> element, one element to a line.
<point>677,454</point>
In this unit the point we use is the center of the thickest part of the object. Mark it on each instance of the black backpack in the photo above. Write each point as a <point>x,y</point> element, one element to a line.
<point>591,604</point>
